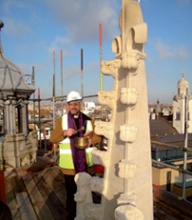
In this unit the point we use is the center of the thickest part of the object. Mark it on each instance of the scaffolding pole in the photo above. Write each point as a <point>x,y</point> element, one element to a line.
<point>53,94</point>
<point>61,68</point>
<point>33,83</point>
<point>39,107</point>
<point>82,79</point>
<point>100,47</point>
<point>185,147</point>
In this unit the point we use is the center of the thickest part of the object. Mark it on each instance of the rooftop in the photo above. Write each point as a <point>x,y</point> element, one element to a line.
<point>38,192</point>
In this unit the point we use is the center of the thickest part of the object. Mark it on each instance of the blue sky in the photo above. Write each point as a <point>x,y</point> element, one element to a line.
<point>34,29</point>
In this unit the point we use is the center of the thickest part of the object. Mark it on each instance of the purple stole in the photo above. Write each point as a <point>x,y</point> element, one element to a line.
<point>78,155</point>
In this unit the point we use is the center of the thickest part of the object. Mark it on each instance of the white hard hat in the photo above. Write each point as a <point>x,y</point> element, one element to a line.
<point>73,96</point>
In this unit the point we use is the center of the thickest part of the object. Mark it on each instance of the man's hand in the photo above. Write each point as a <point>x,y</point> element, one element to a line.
<point>69,132</point>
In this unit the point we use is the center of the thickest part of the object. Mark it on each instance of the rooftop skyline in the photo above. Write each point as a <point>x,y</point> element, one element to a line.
<point>34,29</point>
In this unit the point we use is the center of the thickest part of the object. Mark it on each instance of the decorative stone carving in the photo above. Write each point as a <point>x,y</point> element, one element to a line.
<point>104,128</point>
<point>126,198</point>
<point>128,133</point>
<point>16,148</point>
<point>107,98</point>
<point>97,184</point>
<point>7,102</point>
<point>128,212</point>
<point>33,156</point>
<point>116,45</point>
<point>138,35</point>
<point>130,61</point>
<point>19,152</point>
<point>83,195</point>
<point>129,96</point>
<point>25,160</point>
<point>85,208</point>
<point>20,141</point>
<point>110,67</point>
<point>93,211</point>
<point>100,157</point>
<point>33,138</point>
<point>127,176</point>
<point>127,169</point>
<point>23,102</point>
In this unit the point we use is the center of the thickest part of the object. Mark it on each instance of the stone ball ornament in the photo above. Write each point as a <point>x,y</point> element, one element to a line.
<point>1,24</point>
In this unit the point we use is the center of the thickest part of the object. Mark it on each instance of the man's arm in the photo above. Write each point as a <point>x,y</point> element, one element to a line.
<point>95,139</point>
<point>57,135</point>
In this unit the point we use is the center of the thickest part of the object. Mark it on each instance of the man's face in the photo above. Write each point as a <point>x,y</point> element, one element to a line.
<point>74,107</point>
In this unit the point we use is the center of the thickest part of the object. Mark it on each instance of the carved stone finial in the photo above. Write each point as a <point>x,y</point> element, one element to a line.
<point>1,24</point>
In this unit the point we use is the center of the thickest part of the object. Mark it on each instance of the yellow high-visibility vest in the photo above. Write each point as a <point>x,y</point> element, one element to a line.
<point>65,159</point>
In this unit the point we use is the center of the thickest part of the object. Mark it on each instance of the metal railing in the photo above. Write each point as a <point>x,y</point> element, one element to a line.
<point>183,170</point>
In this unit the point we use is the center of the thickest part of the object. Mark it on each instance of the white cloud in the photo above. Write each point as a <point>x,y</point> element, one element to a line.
<point>81,18</point>
<point>71,72</point>
<point>9,4</point>
<point>182,53</point>
<point>168,51</point>
<point>16,28</point>
<point>164,51</point>
<point>58,43</point>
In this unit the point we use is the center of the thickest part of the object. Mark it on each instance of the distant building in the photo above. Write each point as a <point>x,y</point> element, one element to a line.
<point>89,107</point>
<point>158,110</point>
<point>181,102</point>
<point>168,139</point>
<point>170,177</point>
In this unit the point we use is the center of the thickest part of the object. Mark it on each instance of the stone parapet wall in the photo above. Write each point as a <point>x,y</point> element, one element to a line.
<point>16,151</point>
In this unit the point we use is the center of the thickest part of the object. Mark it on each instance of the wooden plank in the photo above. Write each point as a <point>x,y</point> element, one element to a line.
<point>11,200</point>
<point>54,204</point>
<point>40,164</point>
<point>25,207</point>
<point>18,184</point>
<point>55,171</point>
<point>57,183</point>
<point>57,174</point>
<point>50,184</point>
<point>37,199</point>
